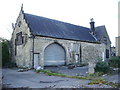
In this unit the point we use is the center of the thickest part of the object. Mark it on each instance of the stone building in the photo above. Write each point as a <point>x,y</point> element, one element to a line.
<point>118,46</point>
<point>39,41</point>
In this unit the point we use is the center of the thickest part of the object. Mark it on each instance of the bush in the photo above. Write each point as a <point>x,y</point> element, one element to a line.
<point>114,62</point>
<point>10,65</point>
<point>5,52</point>
<point>102,67</point>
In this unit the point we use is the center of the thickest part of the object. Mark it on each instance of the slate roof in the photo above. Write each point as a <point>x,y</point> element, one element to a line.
<point>101,33</point>
<point>52,28</point>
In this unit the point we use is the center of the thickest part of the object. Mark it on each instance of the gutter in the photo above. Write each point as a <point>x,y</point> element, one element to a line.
<point>97,42</point>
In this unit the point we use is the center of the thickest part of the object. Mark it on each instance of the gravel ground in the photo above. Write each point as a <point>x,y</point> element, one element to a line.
<point>112,78</point>
<point>31,79</point>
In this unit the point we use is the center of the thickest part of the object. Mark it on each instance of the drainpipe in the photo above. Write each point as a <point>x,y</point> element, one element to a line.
<point>33,51</point>
<point>80,54</point>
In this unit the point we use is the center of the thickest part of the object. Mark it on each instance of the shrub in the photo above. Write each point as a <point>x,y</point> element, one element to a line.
<point>102,67</point>
<point>5,52</point>
<point>114,62</point>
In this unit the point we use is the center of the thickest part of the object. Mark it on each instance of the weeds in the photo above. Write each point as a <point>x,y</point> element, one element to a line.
<point>49,73</point>
<point>97,81</point>
<point>103,81</point>
<point>96,74</point>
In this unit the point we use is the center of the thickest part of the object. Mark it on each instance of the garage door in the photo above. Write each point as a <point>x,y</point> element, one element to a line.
<point>54,54</point>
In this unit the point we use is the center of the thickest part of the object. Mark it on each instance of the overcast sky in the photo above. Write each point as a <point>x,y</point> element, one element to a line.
<point>78,12</point>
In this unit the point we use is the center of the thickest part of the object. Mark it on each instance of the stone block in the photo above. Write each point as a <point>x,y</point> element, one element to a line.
<point>91,69</point>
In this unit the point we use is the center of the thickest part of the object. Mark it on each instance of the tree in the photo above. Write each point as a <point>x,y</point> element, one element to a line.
<point>5,51</point>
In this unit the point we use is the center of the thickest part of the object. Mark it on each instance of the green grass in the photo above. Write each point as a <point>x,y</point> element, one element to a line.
<point>49,73</point>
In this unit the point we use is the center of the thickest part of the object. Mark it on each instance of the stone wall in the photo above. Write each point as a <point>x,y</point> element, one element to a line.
<point>89,51</point>
<point>23,52</point>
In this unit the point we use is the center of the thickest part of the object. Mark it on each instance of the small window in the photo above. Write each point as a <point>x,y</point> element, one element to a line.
<point>19,38</point>
<point>24,38</point>
<point>107,53</point>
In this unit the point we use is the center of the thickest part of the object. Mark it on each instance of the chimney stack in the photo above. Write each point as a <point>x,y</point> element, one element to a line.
<point>92,26</point>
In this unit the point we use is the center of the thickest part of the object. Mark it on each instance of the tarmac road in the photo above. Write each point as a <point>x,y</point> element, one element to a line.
<point>31,79</point>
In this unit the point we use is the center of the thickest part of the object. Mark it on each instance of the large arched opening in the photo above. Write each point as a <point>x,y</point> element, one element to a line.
<point>54,54</point>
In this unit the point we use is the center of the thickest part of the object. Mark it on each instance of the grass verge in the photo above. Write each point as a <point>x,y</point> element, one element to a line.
<point>49,73</point>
